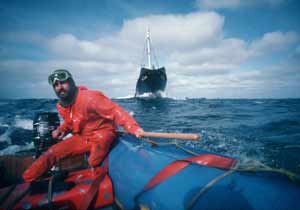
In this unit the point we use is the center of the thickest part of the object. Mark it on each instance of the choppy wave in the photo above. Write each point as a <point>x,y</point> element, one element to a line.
<point>125,97</point>
<point>13,149</point>
<point>5,137</point>
<point>23,123</point>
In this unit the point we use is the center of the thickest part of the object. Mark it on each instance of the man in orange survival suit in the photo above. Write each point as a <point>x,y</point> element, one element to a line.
<point>90,116</point>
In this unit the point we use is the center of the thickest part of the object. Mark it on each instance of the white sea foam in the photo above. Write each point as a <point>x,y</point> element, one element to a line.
<point>12,149</point>
<point>3,124</point>
<point>146,95</point>
<point>162,94</point>
<point>229,146</point>
<point>23,123</point>
<point>159,94</point>
<point>151,96</point>
<point>125,97</point>
<point>5,136</point>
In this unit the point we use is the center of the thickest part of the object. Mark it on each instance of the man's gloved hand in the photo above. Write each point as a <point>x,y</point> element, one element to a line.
<point>58,134</point>
<point>139,133</point>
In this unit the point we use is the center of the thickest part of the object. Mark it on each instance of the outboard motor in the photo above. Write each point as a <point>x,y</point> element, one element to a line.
<point>43,125</point>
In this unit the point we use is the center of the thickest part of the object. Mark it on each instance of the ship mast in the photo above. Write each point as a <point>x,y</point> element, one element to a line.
<point>149,49</point>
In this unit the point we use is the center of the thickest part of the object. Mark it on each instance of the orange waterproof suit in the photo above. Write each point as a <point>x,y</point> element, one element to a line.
<point>92,119</point>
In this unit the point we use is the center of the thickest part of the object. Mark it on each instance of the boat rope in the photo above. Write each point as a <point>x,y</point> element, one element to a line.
<point>206,188</point>
<point>50,192</point>
<point>118,204</point>
<point>246,166</point>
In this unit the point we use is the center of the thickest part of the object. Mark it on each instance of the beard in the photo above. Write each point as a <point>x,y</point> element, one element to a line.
<point>63,93</point>
<point>67,96</point>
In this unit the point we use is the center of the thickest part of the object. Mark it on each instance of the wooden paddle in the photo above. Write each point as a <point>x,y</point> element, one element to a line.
<point>182,136</point>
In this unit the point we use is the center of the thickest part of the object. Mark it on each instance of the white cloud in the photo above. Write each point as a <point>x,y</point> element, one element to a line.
<point>30,77</point>
<point>226,51</point>
<point>272,42</point>
<point>274,81</point>
<point>68,46</point>
<point>177,31</point>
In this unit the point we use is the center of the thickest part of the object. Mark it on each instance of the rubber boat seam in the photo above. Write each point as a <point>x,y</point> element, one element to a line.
<point>169,143</point>
<point>176,144</point>
<point>163,144</point>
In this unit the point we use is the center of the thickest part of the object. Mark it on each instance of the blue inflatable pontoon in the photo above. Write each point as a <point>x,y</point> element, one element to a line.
<point>168,176</point>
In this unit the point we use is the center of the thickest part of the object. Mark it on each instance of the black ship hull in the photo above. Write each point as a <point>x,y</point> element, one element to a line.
<point>151,82</point>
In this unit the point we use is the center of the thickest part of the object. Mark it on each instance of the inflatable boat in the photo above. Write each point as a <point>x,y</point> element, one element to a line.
<point>146,174</point>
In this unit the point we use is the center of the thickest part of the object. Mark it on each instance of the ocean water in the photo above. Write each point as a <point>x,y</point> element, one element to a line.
<point>267,130</point>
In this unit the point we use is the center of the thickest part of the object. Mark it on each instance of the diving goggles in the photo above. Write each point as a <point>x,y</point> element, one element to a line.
<point>60,75</point>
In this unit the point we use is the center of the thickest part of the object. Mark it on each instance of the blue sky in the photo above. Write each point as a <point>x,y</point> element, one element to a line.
<point>210,48</point>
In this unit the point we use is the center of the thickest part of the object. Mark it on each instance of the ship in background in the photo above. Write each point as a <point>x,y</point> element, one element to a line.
<point>152,79</point>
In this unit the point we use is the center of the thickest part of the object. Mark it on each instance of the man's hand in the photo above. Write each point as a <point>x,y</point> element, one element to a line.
<point>139,133</point>
<point>58,134</point>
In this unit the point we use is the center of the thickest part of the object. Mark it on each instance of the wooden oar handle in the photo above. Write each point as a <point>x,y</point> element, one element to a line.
<point>184,136</point>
